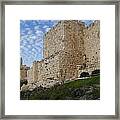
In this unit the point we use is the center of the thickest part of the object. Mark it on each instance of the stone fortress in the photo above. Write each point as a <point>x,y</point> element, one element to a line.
<point>70,48</point>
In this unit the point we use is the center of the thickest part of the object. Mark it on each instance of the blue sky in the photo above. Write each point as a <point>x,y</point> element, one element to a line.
<point>31,38</point>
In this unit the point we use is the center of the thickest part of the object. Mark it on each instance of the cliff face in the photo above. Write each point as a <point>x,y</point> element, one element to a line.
<point>69,49</point>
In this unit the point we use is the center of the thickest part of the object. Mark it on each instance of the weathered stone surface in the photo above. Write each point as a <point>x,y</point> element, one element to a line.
<point>23,72</point>
<point>69,49</point>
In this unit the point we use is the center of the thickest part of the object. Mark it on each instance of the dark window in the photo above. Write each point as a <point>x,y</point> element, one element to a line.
<point>84,74</point>
<point>95,72</point>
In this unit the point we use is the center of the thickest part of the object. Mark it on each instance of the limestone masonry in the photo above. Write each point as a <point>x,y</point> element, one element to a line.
<point>70,48</point>
<point>23,70</point>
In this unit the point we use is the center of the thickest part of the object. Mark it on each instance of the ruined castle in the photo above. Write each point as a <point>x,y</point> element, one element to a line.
<point>70,48</point>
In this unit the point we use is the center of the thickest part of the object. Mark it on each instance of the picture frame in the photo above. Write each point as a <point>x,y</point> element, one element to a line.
<point>70,2</point>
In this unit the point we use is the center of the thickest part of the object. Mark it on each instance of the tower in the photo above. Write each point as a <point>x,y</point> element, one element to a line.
<point>65,44</point>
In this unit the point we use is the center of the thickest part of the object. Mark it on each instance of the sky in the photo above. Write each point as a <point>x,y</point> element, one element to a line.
<point>31,38</point>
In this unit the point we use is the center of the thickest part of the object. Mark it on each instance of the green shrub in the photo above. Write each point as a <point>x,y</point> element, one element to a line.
<point>74,90</point>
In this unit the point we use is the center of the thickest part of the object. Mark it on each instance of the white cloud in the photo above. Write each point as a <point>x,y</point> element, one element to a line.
<point>26,25</point>
<point>27,28</point>
<point>36,27</point>
<point>38,32</point>
<point>45,26</point>
<point>29,32</point>
<point>29,46</point>
<point>47,29</point>
<point>31,40</point>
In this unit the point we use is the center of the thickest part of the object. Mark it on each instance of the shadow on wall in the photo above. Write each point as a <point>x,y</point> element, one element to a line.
<point>86,74</point>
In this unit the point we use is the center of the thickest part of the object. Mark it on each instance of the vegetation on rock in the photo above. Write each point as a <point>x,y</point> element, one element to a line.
<point>88,89</point>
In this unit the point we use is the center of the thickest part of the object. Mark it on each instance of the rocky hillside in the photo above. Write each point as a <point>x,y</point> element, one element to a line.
<point>83,89</point>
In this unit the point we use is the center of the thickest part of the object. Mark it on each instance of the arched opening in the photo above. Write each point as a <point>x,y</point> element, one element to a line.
<point>84,74</point>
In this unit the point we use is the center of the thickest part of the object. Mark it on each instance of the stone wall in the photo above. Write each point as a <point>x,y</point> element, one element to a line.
<point>23,72</point>
<point>69,49</point>
<point>92,46</point>
<point>51,67</point>
<point>30,75</point>
<point>73,49</point>
<point>65,39</point>
<point>53,40</point>
<point>33,73</point>
<point>40,70</point>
